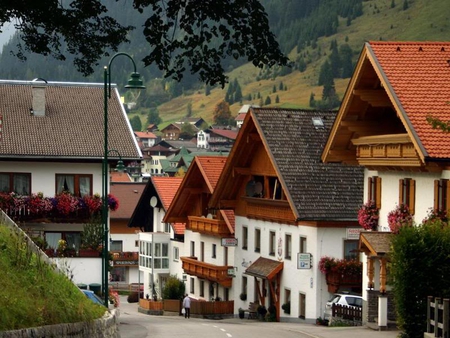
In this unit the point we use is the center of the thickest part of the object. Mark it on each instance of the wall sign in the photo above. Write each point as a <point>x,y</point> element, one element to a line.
<point>304,261</point>
<point>229,242</point>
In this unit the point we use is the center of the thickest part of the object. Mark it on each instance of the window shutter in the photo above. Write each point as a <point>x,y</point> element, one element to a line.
<point>436,195</point>
<point>401,196</point>
<point>378,192</point>
<point>369,190</point>
<point>447,194</point>
<point>412,196</point>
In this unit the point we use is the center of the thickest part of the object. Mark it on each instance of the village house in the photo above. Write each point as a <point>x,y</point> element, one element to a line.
<point>290,210</point>
<point>215,139</point>
<point>160,243</point>
<point>207,259</point>
<point>384,125</point>
<point>51,151</point>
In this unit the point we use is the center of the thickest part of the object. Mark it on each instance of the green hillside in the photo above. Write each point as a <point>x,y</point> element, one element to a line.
<point>423,20</point>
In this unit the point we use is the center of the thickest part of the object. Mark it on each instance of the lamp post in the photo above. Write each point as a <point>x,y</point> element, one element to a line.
<point>134,82</point>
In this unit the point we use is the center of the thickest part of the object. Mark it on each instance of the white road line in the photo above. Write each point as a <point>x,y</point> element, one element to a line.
<point>229,335</point>
<point>223,330</point>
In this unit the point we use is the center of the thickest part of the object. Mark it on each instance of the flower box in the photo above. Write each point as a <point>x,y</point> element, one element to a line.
<point>88,253</point>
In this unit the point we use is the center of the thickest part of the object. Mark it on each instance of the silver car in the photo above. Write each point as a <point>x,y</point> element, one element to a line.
<point>342,299</point>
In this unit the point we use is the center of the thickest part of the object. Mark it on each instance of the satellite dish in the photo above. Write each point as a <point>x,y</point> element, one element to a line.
<point>209,216</point>
<point>250,188</point>
<point>153,201</point>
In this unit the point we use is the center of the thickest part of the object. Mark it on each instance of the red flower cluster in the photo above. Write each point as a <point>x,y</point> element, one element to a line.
<point>436,216</point>
<point>66,203</point>
<point>93,203</point>
<point>399,217</point>
<point>368,216</point>
<point>342,266</point>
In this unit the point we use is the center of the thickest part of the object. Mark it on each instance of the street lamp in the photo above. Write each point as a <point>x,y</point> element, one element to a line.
<point>134,82</point>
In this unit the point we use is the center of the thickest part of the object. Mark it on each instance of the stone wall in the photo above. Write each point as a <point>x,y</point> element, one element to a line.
<point>371,315</point>
<point>105,327</point>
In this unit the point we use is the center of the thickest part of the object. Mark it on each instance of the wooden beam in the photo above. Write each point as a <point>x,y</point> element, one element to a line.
<point>242,171</point>
<point>375,97</point>
<point>227,204</point>
<point>194,191</point>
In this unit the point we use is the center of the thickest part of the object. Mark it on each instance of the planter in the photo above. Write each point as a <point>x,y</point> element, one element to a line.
<point>88,253</point>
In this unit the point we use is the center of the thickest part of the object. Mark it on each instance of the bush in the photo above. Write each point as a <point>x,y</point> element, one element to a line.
<point>174,288</point>
<point>243,296</point>
<point>419,260</point>
<point>286,307</point>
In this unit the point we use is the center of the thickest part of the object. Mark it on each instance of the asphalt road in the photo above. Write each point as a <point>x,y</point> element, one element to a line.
<point>137,325</point>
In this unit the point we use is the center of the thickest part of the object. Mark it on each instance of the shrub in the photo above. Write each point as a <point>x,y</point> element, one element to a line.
<point>243,296</point>
<point>419,260</point>
<point>174,288</point>
<point>286,307</point>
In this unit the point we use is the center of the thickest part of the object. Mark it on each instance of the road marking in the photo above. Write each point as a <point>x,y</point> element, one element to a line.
<point>229,335</point>
<point>223,330</point>
<point>308,334</point>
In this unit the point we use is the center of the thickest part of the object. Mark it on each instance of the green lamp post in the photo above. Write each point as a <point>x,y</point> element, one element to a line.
<point>135,82</point>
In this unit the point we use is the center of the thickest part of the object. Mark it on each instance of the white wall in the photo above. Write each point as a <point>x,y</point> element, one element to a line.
<point>43,174</point>
<point>85,270</point>
<point>311,282</point>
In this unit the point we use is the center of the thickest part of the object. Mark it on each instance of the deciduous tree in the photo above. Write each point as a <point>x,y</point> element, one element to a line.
<point>181,34</point>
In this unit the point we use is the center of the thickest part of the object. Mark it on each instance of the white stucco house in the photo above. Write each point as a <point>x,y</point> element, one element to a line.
<point>290,210</point>
<point>51,150</point>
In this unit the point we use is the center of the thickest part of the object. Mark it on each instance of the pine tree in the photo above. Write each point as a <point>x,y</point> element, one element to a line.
<point>326,74</point>
<point>405,5</point>
<point>281,85</point>
<point>267,101</point>
<point>274,89</point>
<point>189,110</point>
<point>136,123</point>
<point>346,54</point>
<point>277,99</point>
<point>335,60</point>
<point>312,101</point>
<point>393,4</point>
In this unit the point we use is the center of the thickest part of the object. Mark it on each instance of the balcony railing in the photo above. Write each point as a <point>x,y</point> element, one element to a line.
<point>336,280</point>
<point>269,209</point>
<point>125,258</point>
<point>211,272</point>
<point>207,226</point>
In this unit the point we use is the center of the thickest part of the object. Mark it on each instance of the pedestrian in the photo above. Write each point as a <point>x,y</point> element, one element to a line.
<point>187,306</point>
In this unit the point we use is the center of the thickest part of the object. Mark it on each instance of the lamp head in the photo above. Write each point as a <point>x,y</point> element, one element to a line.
<point>120,167</point>
<point>135,81</point>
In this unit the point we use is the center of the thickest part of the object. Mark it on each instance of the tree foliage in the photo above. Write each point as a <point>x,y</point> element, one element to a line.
<point>420,265</point>
<point>182,35</point>
<point>222,114</point>
<point>136,123</point>
<point>173,289</point>
<point>153,117</point>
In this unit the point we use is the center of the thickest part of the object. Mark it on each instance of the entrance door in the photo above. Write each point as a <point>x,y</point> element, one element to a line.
<point>302,306</point>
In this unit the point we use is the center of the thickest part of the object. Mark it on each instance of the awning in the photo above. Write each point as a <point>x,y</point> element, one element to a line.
<point>374,243</point>
<point>264,268</point>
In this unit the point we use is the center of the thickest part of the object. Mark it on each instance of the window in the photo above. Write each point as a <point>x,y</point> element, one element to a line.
<point>244,285</point>
<point>116,246</point>
<point>202,251</point>
<point>302,306</point>
<point>20,183</point>
<point>214,248</point>
<point>407,193</point>
<point>73,239</point>
<point>257,240</point>
<point>176,254</point>
<point>202,288</point>
<point>441,195</point>
<point>351,249</point>
<point>78,185</point>
<point>302,244</point>
<point>192,285</point>
<point>192,249</point>
<point>118,274</point>
<point>136,243</point>
<point>161,256</point>
<point>272,243</point>
<point>288,246</point>
<point>374,190</point>
<point>244,237</point>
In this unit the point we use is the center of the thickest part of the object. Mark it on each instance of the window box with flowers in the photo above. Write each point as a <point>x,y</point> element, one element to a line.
<point>63,207</point>
<point>368,216</point>
<point>399,217</point>
<point>341,273</point>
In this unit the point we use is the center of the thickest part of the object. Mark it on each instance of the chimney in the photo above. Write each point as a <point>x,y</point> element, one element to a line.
<point>38,94</point>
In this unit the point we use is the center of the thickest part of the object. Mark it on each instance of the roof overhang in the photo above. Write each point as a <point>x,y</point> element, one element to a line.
<point>264,268</point>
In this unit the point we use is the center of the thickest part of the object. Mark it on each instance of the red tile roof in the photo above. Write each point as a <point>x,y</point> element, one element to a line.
<point>119,177</point>
<point>166,188</point>
<point>211,168</point>
<point>240,117</point>
<point>179,228</point>
<point>128,195</point>
<point>230,134</point>
<point>144,134</point>
<point>419,76</point>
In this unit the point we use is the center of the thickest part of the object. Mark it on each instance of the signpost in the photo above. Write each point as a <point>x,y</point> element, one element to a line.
<point>229,242</point>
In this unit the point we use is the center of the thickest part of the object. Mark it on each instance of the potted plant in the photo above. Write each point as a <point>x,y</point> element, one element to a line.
<point>91,238</point>
<point>262,311</point>
<point>243,296</point>
<point>368,216</point>
<point>399,217</point>
<point>241,313</point>
<point>286,307</point>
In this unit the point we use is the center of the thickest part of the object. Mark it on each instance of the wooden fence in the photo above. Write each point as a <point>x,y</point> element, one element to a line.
<point>350,313</point>
<point>200,308</point>
<point>438,317</point>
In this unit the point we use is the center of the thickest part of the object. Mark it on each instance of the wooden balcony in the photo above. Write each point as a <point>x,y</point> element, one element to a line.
<point>269,209</point>
<point>207,226</point>
<point>127,258</point>
<point>211,272</point>
<point>390,150</point>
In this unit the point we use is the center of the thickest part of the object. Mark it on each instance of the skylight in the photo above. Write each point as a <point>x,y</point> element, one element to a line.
<point>317,122</point>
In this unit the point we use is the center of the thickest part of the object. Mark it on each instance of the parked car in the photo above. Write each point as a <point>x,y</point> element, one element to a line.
<point>342,299</point>
<point>92,296</point>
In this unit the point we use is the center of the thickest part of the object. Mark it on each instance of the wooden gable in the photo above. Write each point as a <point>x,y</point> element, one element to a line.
<point>371,128</point>
<point>250,183</point>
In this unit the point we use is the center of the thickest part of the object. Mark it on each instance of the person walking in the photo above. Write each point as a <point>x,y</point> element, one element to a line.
<point>187,306</point>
